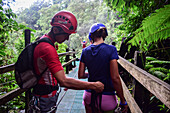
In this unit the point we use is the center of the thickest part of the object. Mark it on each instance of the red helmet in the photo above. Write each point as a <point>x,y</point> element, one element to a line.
<point>66,20</point>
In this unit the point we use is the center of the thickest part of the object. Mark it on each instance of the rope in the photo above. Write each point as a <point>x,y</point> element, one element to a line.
<point>55,107</point>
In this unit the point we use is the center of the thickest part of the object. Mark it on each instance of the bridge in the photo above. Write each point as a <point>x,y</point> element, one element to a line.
<point>70,101</point>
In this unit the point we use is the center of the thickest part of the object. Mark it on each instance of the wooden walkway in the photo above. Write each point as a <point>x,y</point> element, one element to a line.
<point>72,100</point>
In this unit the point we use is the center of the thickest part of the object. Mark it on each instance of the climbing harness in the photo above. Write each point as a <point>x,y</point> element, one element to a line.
<point>118,110</point>
<point>34,104</point>
<point>94,101</point>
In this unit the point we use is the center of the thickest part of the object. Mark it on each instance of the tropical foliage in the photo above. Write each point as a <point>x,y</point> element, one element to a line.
<point>154,28</point>
<point>144,23</point>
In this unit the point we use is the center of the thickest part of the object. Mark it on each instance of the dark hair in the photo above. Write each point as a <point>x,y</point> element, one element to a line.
<point>114,43</point>
<point>99,33</point>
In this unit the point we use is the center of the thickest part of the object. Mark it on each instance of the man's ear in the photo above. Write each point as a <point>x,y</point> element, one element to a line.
<point>55,30</point>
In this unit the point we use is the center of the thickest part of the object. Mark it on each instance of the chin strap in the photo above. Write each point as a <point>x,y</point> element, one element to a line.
<point>54,35</point>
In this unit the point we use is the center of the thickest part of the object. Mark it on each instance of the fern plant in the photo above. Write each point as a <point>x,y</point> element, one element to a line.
<point>154,28</point>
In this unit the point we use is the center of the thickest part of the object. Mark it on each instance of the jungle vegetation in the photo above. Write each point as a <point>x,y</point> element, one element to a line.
<point>140,24</point>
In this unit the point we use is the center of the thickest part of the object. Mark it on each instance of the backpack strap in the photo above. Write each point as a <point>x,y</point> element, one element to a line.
<point>39,88</point>
<point>45,39</point>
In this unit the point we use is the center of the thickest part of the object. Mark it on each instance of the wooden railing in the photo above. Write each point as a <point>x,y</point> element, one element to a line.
<point>157,87</point>
<point>11,67</point>
<point>16,92</point>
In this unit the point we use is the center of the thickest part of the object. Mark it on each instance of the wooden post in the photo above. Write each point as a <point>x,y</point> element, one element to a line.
<point>27,37</point>
<point>74,56</point>
<point>28,92</point>
<point>70,65</point>
<point>141,95</point>
<point>67,59</point>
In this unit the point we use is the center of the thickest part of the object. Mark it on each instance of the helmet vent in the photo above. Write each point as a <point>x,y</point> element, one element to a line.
<point>71,28</point>
<point>66,20</point>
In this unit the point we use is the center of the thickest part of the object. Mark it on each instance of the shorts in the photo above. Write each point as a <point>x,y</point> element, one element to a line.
<point>45,104</point>
<point>109,102</point>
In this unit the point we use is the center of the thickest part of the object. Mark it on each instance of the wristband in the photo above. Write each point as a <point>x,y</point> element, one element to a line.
<point>123,104</point>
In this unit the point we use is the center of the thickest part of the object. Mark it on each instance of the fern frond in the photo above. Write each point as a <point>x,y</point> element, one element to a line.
<point>148,58</point>
<point>120,4</point>
<point>159,74</point>
<point>114,3</point>
<point>154,28</point>
<point>157,19</point>
<point>161,69</point>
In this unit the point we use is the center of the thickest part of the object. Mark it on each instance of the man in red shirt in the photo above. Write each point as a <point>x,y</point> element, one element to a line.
<point>63,23</point>
<point>84,43</point>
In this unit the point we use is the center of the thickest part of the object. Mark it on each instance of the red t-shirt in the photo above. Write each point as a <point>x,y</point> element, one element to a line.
<point>45,55</point>
<point>84,44</point>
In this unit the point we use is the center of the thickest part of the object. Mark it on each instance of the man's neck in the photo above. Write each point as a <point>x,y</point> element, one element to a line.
<point>51,36</point>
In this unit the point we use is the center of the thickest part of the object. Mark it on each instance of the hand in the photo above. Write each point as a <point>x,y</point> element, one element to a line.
<point>99,87</point>
<point>56,47</point>
<point>65,89</point>
<point>124,108</point>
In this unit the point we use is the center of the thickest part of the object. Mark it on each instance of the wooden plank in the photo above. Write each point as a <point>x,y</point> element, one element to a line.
<point>11,67</point>
<point>10,95</point>
<point>16,92</point>
<point>7,68</point>
<point>134,108</point>
<point>66,53</point>
<point>156,86</point>
<point>70,61</point>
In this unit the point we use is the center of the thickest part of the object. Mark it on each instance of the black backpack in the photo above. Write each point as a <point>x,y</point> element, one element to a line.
<point>24,67</point>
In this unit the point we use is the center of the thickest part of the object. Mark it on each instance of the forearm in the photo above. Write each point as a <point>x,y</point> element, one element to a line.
<point>119,89</point>
<point>116,80</point>
<point>72,83</point>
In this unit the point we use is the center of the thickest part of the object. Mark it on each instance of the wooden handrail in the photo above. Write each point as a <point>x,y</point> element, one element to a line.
<point>66,53</point>
<point>134,108</point>
<point>70,61</point>
<point>11,67</point>
<point>7,68</point>
<point>16,92</point>
<point>10,95</point>
<point>156,86</point>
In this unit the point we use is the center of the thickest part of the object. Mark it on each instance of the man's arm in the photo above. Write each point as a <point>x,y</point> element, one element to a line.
<point>72,83</point>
